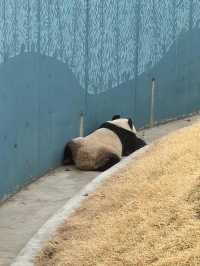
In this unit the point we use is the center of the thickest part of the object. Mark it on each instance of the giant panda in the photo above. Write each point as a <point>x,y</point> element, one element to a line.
<point>104,147</point>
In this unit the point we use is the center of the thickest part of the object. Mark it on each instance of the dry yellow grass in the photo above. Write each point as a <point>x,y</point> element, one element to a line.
<point>147,214</point>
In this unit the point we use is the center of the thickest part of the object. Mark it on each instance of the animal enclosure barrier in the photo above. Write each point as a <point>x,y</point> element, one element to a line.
<point>68,65</point>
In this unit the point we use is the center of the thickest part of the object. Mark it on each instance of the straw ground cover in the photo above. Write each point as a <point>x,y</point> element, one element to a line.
<point>146,214</point>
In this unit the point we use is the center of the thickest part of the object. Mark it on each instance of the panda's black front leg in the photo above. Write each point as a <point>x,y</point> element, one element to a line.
<point>110,161</point>
<point>140,143</point>
<point>131,144</point>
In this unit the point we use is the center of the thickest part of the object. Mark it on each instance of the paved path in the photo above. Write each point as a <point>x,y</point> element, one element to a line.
<point>23,214</point>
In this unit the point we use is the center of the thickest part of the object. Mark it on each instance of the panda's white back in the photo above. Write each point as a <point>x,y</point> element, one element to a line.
<point>89,152</point>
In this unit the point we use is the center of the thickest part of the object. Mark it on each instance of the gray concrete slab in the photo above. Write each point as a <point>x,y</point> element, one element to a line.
<point>22,215</point>
<point>154,133</point>
<point>27,255</point>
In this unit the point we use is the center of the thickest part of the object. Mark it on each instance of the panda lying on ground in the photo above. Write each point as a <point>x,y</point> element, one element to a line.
<point>104,147</point>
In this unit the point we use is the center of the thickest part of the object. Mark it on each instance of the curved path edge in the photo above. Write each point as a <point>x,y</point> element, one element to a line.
<point>27,255</point>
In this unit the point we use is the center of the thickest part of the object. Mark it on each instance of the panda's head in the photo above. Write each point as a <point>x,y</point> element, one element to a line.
<point>125,123</point>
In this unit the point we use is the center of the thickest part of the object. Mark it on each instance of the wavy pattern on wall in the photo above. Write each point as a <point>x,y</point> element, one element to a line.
<point>104,42</point>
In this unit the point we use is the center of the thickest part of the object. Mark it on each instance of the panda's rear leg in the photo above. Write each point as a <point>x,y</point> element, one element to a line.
<point>68,157</point>
<point>111,160</point>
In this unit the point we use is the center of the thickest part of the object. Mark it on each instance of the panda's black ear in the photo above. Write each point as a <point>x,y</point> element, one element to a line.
<point>130,122</point>
<point>116,117</point>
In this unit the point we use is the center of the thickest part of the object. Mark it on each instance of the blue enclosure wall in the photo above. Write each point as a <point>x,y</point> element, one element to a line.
<point>61,59</point>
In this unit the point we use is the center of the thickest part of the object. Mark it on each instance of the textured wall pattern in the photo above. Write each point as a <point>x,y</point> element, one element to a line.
<point>109,41</point>
<point>61,59</point>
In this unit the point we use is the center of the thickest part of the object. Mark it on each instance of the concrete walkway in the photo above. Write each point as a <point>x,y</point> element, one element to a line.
<point>23,214</point>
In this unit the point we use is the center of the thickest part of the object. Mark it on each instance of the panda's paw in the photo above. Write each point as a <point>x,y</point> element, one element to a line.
<point>111,160</point>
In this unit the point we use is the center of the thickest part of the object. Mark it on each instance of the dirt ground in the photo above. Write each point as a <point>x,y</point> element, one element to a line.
<point>146,214</point>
